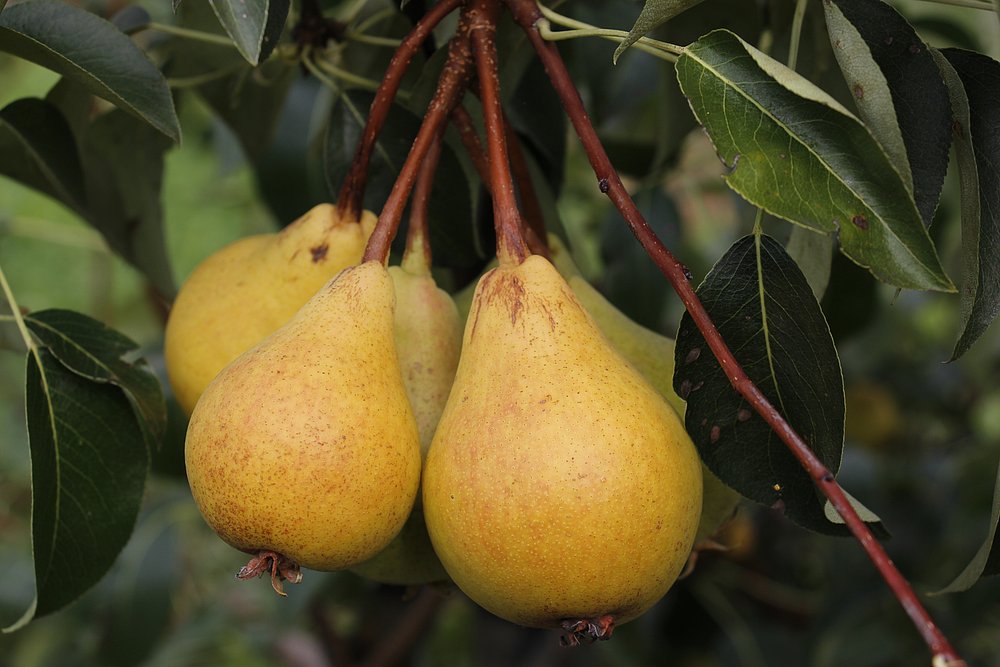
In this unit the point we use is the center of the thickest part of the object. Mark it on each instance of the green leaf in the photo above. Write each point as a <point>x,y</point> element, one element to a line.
<point>813,253</point>
<point>768,316</point>
<point>101,354</point>
<point>986,562</point>
<point>37,149</point>
<point>898,91</point>
<point>122,161</point>
<point>92,52</point>
<point>977,145</point>
<point>88,470</point>
<point>653,13</point>
<point>253,25</point>
<point>798,154</point>
<point>451,212</point>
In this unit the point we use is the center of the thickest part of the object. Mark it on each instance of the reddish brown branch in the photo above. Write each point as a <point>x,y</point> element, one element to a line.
<point>511,246</point>
<point>462,121</point>
<point>526,13</point>
<point>451,86</point>
<point>417,256</point>
<point>533,217</point>
<point>352,192</point>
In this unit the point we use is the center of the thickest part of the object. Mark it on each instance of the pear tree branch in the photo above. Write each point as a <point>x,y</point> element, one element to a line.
<point>527,14</point>
<point>417,257</point>
<point>450,89</point>
<point>352,192</point>
<point>511,245</point>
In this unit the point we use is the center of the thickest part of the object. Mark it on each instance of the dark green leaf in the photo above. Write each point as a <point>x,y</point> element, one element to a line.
<point>123,171</point>
<point>37,149</point>
<point>653,13</point>
<point>898,90</point>
<point>795,152</point>
<point>123,159</point>
<point>140,592</point>
<point>986,562</point>
<point>980,294</point>
<point>88,470</point>
<point>451,212</point>
<point>101,354</point>
<point>768,316</point>
<point>253,25</point>
<point>92,52</point>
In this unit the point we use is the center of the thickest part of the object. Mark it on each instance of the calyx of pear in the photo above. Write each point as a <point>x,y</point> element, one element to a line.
<point>428,341</point>
<point>560,490</point>
<point>245,291</point>
<point>305,448</point>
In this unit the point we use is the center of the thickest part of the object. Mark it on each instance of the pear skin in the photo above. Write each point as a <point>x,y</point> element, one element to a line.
<point>428,340</point>
<point>306,445</point>
<point>559,487</point>
<point>245,291</point>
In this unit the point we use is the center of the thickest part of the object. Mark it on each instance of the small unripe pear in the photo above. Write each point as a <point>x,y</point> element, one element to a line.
<point>428,340</point>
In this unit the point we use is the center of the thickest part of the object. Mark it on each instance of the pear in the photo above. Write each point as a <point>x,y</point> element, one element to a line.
<point>306,445</point>
<point>560,489</point>
<point>245,291</point>
<point>428,341</point>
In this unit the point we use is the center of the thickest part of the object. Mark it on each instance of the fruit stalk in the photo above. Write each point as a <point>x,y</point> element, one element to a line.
<point>526,13</point>
<point>463,122</point>
<point>451,86</point>
<point>511,246</point>
<point>352,192</point>
<point>533,218</point>
<point>417,256</point>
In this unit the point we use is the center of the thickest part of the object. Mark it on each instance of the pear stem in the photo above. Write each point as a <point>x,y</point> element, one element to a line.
<point>527,14</point>
<point>463,122</point>
<point>417,258</point>
<point>352,192</point>
<point>537,240</point>
<point>511,246</point>
<point>533,217</point>
<point>450,88</point>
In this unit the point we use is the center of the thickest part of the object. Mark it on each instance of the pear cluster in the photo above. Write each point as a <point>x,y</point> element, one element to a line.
<point>559,487</point>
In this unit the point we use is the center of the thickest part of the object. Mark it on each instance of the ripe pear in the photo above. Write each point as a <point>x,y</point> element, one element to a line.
<point>560,489</point>
<point>245,291</point>
<point>428,341</point>
<point>306,445</point>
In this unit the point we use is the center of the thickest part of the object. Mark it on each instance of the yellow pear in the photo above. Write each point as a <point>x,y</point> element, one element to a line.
<point>428,341</point>
<point>653,356</point>
<point>245,291</point>
<point>306,445</point>
<point>560,489</point>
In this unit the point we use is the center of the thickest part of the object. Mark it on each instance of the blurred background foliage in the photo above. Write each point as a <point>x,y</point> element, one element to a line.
<point>923,436</point>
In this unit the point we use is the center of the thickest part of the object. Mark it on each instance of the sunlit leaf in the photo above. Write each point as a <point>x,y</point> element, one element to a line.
<point>767,314</point>
<point>798,154</point>
<point>91,51</point>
